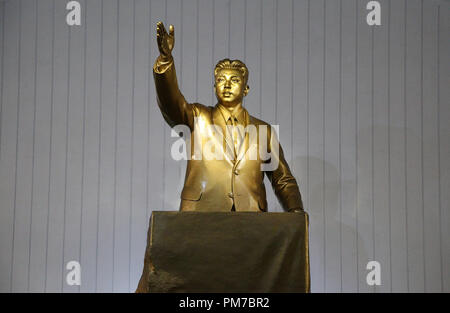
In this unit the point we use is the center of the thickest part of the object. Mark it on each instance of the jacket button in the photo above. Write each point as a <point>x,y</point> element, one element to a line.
<point>236,172</point>
<point>230,195</point>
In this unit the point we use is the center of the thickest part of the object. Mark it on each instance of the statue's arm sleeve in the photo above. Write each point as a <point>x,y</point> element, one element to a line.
<point>283,182</point>
<point>171,102</point>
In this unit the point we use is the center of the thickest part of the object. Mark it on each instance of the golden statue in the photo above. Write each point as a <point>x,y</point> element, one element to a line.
<point>228,152</point>
<point>233,179</point>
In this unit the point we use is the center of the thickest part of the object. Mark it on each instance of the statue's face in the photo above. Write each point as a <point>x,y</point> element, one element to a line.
<point>230,87</point>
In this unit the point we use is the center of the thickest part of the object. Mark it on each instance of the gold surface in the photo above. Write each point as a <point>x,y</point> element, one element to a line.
<point>235,180</point>
<point>226,252</point>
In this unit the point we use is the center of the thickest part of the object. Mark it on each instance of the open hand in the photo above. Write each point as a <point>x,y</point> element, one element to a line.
<point>165,40</point>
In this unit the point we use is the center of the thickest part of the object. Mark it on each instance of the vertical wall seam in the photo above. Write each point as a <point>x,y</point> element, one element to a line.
<point>181,44</point>
<point>17,139</point>
<point>245,31</point>
<point>83,135</point>
<point>307,104</point>
<point>115,145</point>
<point>324,144</point>
<point>229,28</point>
<point>67,150</point>
<point>356,146</point>
<point>245,41</point>
<point>33,144</point>
<point>50,144</point>
<point>405,139</point>
<point>389,142</point>
<point>260,55</point>
<point>149,72</point>
<point>439,143</point>
<point>132,143</point>
<point>340,134</point>
<point>292,80</point>
<point>3,70</point>
<point>213,40</point>
<point>99,143</point>
<point>372,55</point>
<point>276,63</point>
<point>421,144</point>
<point>197,52</point>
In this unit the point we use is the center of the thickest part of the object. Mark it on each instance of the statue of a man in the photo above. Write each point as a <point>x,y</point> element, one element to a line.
<point>235,180</point>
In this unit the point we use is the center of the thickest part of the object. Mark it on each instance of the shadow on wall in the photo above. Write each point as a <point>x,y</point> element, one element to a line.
<point>333,264</point>
<point>381,214</point>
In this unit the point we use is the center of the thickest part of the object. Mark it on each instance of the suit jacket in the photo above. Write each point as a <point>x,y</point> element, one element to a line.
<point>217,184</point>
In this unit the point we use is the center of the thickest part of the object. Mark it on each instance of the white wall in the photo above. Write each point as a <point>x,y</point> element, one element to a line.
<point>364,114</point>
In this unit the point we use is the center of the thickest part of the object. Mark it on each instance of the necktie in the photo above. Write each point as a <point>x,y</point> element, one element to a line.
<point>235,133</point>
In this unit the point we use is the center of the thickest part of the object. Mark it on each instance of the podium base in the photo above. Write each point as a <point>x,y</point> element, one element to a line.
<point>226,252</point>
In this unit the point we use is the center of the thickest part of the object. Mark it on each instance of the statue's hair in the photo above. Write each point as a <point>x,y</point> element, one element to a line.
<point>233,64</point>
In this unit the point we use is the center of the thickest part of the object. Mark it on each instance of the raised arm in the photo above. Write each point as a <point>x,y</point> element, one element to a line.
<point>171,102</point>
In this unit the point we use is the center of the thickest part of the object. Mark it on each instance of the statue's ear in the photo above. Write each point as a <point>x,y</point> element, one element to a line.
<point>246,90</point>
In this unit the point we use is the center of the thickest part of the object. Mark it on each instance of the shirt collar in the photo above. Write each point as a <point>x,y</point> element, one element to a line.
<point>239,115</point>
